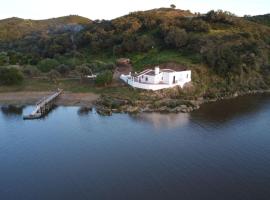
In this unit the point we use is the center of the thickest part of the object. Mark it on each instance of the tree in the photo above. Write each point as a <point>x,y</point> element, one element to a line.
<point>223,59</point>
<point>53,75</point>
<point>176,37</point>
<point>4,59</point>
<point>13,57</point>
<point>104,78</point>
<point>47,64</point>
<point>63,69</point>
<point>144,43</point>
<point>83,70</point>
<point>173,6</point>
<point>31,71</point>
<point>10,76</point>
<point>220,16</point>
<point>197,25</point>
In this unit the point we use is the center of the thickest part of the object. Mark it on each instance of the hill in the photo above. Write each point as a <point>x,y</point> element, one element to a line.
<point>15,28</point>
<point>226,53</point>
<point>261,19</point>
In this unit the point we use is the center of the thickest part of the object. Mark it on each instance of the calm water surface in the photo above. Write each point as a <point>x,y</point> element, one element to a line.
<point>221,151</point>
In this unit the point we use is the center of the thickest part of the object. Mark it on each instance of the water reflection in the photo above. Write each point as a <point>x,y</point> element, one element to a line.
<point>82,111</point>
<point>94,157</point>
<point>224,111</point>
<point>11,110</point>
<point>213,114</point>
<point>159,120</point>
<point>29,110</point>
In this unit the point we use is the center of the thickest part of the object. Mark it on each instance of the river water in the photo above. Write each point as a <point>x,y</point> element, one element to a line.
<point>221,151</point>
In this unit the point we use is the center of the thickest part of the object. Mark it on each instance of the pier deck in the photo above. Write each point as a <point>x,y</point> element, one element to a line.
<point>43,106</point>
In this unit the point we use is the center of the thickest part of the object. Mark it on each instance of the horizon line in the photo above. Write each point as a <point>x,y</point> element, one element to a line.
<point>55,17</point>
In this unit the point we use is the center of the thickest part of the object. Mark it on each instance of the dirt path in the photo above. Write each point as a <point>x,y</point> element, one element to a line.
<point>66,99</point>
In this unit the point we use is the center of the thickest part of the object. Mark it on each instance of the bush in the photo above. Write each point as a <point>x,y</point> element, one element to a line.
<point>104,78</point>
<point>223,59</point>
<point>220,16</point>
<point>197,25</point>
<point>176,37</point>
<point>145,43</point>
<point>63,69</point>
<point>13,57</point>
<point>53,75</point>
<point>4,59</point>
<point>83,70</point>
<point>31,71</point>
<point>10,76</point>
<point>47,64</point>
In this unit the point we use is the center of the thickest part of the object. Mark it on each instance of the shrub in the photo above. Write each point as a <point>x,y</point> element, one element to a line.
<point>104,78</point>
<point>47,64</point>
<point>83,70</point>
<point>63,69</point>
<point>223,59</point>
<point>220,16</point>
<point>13,57</point>
<point>176,37</point>
<point>10,76</point>
<point>53,75</point>
<point>197,25</point>
<point>31,71</point>
<point>4,59</point>
<point>145,43</point>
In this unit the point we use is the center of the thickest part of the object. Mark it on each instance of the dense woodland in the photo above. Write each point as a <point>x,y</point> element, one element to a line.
<point>226,53</point>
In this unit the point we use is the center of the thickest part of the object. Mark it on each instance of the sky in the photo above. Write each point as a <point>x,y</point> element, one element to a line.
<point>109,9</point>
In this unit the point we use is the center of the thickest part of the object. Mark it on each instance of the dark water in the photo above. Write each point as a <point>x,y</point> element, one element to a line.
<point>220,152</point>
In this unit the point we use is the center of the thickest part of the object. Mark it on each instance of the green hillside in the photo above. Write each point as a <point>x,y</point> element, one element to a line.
<point>15,28</point>
<point>261,19</point>
<point>226,53</point>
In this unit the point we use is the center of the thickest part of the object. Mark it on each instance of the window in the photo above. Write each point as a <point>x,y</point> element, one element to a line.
<point>187,75</point>
<point>146,78</point>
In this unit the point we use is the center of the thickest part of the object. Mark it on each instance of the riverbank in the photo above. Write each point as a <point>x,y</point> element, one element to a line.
<point>30,98</point>
<point>122,100</point>
<point>164,101</point>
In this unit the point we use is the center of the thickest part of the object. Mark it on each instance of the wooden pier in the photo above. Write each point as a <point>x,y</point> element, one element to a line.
<point>43,106</point>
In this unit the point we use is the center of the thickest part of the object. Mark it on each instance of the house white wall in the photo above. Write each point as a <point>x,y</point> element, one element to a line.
<point>151,79</point>
<point>158,78</point>
<point>166,77</point>
<point>180,77</point>
<point>147,79</point>
<point>184,76</point>
<point>153,83</point>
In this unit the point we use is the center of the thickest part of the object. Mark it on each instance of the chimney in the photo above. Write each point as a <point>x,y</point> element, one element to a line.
<point>157,70</point>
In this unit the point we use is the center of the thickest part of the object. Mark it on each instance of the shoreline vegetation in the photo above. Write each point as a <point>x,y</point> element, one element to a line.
<point>229,56</point>
<point>160,102</point>
<point>112,102</point>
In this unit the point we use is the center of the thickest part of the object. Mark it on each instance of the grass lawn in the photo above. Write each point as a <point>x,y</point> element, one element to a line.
<point>140,61</point>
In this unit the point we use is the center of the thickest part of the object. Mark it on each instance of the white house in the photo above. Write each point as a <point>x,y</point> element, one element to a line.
<point>157,79</point>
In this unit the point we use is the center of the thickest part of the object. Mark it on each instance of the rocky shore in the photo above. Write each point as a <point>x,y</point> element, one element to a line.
<point>156,102</point>
<point>109,105</point>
